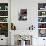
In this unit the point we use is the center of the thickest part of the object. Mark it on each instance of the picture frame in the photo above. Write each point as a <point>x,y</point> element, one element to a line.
<point>23,15</point>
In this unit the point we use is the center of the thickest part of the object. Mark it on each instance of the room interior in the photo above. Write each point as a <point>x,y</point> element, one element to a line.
<point>22,22</point>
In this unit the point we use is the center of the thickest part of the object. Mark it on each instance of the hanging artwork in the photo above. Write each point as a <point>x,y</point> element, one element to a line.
<point>42,32</point>
<point>23,14</point>
<point>13,27</point>
<point>4,29</point>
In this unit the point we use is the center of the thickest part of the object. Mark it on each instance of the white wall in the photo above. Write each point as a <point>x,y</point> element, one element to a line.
<point>3,1</point>
<point>31,6</point>
<point>32,9</point>
<point>31,13</point>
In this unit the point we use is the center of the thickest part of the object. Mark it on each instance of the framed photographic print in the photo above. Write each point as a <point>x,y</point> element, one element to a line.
<point>23,14</point>
<point>4,29</point>
<point>42,32</point>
